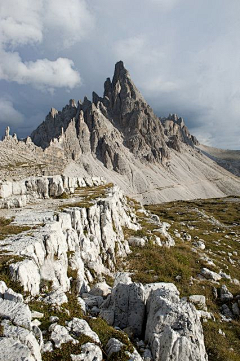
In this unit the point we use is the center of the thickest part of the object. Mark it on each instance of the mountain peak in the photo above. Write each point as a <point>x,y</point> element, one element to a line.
<point>120,72</point>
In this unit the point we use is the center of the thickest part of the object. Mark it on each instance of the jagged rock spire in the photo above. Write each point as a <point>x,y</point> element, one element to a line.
<point>120,72</point>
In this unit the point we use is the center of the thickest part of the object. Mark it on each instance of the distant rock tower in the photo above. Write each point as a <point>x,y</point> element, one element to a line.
<point>7,132</point>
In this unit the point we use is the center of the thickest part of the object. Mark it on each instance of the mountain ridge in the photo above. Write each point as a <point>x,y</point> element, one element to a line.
<point>118,136</point>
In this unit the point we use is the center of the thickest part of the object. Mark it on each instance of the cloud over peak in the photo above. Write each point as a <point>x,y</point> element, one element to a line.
<point>24,23</point>
<point>8,114</point>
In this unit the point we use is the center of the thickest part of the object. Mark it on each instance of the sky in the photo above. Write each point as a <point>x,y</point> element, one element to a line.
<point>183,55</point>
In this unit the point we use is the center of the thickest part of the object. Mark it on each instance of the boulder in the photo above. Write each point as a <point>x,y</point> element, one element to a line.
<point>60,335</point>
<point>235,309</point>
<point>134,356</point>
<point>122,277</point>
<point>13,350</point>
<point>101,289</point>
<point>80,327</point>
<point>127,303</point>
<point>56,298</point>
<point>6,189</point>
<point>89,352</point>
<point>55,186</point>
<point>226,311</point>
<point>173,328</point>
<point>166,287</point>
<point>47,347</point>
<point>198,300</point>
<point>27,273</point>
<point>199,244</point>
<point>137,241</point>
<point>24,336</point>
<point>17,312</point>
<point>225,294</point>
<point>113,346</point>
<point>207,273</point>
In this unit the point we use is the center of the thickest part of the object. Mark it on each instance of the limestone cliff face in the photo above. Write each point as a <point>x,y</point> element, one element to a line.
<point>85,240</point>
<point>177,132</point>
<point>108,127</point>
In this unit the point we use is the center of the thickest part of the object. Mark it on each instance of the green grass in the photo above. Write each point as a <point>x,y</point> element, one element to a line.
<point>219,347</point>
<point>64,353</point>
<point>7,229</point>
<point>64,195</point>
<point>89,196</point>
<point>160,264</point>
<point>72,307</point>
<point>5,260</point>
<point>199,218</point>
<point>105,332</point>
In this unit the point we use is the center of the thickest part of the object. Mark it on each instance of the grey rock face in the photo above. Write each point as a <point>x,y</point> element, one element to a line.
<point>177,132</point>
<point>173,328</point>
<point>127,304</point>
<point>225,294</point>
<point>111,126</point>
<point>87,127</point>
<point>120,132</point>
<point>19,340</point>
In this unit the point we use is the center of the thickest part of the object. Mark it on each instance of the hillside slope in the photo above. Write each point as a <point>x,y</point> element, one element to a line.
<point>226,158</point>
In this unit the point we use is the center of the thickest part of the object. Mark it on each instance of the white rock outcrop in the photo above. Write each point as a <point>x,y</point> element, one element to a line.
<point>126,307</point>
<point>60,335</point>
<point>16,194</point>
<point>19,340</point>
<point>85,240</point>
<point>210,275</point>
<point>173,328</point>
<point>89,352</point>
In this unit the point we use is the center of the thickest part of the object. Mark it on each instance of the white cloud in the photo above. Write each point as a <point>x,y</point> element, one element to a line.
<point>165,4</point>
<point>27,22</point>
<point>139,50</point>
<point>43,73</point>
<point>153,84</point>
<point>147,60</point>
<point>67,22</point>
<point>20,22</point>
<point>8,114</point>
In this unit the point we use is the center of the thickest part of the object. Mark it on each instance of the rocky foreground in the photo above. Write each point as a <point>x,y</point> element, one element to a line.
<point>68,288</point>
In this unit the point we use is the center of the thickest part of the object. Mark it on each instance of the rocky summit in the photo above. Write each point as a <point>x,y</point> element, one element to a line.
<point>94,266</point>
